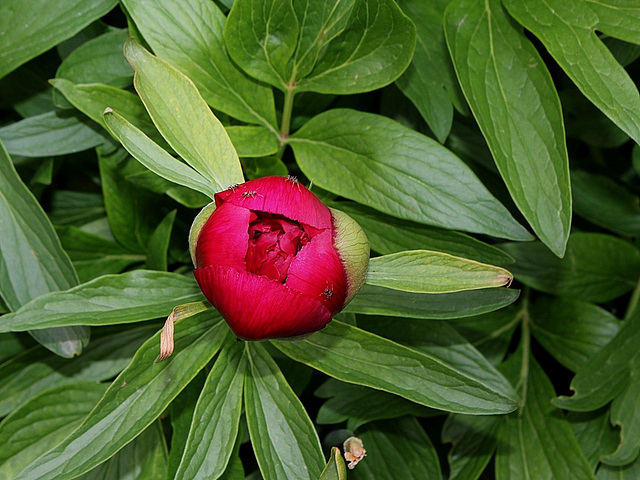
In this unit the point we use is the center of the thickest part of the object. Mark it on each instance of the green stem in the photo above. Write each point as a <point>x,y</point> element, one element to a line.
<point>526,350</point>
<point>287,111</point>
<point>633,302</point>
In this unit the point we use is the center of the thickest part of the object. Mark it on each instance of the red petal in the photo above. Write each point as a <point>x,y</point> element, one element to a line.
<point>279,195</point>
<point>224,238</point>
<point>318,272</point>
<point>257,308</point>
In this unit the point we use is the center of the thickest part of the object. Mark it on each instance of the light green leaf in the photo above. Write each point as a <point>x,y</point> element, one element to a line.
<point>423,271</point>
<point>355,356</point>
<point>597,267</point>
<point>158,248</point>
<point>284,439</point>
<point>29,29</point>
<point>567,30</point>
<point>335,468</point>
<point>183,118</point>
<point>52,133</point>
<point>112,299</point>
<point>374,49</point>
<point>43,421</point>
<point>155,158</point>
<point>380,163</point>
<point>252,141</point>
<point>261,37</point>
<point>37,370</point>
<point>430,81</point>
<point>618,18</point>
<point>511,92</point>
<point>388,441</point>
<point>134,400</point>
<point>537,441</point>
<point>32,262</point>
<point>570,330</point>
<point>395,303</point>
<point>474,440</point>
<point>216,418</point>
<point>387,234</point>
<point>189,35</point>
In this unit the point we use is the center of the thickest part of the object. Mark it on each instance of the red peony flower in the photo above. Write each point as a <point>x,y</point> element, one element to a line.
<point>274,260</point>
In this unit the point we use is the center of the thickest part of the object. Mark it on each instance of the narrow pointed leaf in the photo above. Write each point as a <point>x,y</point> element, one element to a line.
<point>335,468</point>
<point>510,91</point>
<point>568,31</point>
<point>284,439</point>
<point>353,355</point>
<point>183,118</point>
<point>134,400</point>
<point>423,271</point>
<point>189,35</point>
<point>408,175</point>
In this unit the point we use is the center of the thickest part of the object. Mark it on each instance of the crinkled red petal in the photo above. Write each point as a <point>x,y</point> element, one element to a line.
<point>224,238</point>
<point>257,308</point>
<point>317,271</point>
<point>280,195</point>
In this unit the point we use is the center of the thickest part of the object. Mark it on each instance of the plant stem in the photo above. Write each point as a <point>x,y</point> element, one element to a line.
<point>526,350</point>
<point>287,111</point>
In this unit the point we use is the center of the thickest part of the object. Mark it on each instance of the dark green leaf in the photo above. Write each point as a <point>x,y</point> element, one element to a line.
<point>510,92</point>
<point>216,418</point>
<point>45,420</point>
<point>134,400</point>
<point>397,449</point>
<point>384,301</point>
<point>567,30</point>
<point>29,29</point>
<point>159,243</point>
<point>570,330</point>
<point>189,34</point>
<point>594,433</point>
<point>596,268</point>
<point>628,472</point>
<point>284,440</point>
<point>625,413</point>
<point>434,380</point>
<point>264,167</point>
<point>406,174</point>
<point>112,299</point>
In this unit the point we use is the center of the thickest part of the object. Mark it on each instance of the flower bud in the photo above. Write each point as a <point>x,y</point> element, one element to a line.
<point>274,260</point>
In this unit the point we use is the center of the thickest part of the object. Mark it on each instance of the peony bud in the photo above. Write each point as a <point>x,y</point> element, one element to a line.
<point>274,260</point>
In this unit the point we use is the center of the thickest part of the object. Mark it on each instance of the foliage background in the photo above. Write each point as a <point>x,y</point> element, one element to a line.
<point>472,140</point>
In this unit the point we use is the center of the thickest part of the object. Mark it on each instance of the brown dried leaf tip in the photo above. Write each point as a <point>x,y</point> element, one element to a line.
<point>166,338</point>
<point>353,451</point>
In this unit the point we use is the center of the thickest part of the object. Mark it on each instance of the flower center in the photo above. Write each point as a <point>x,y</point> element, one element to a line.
<point>274,241</point>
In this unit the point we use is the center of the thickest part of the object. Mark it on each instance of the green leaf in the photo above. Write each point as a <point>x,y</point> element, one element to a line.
<point>429,81</point>
<point>510,91</point>
<point>92,255</point>
<point>37,370</point>
<point>159,243</point>
<point>190,36</point>
<point>627,472</point>
<point>605,203</point>
<point>595,434</point>
<point>374,49</point>
<point>43,421</point>
<point>390,235</point>
<point>32,261</point>
<point>407,175</point>
<point>183,118</point>
<point>567,30</point>
<point>155,158</point>
<point>597,267</point>
<point>29,29</point>
<point>625,413</point>
<point>570,330</point>
<point>112,299</point>
<point>384,301</point>
<point>251,141</point>
<point>346,402</point>
<point>216,418</point>
<point>606,374</point>
<point>99,60</point>
<point>134,400</point>
<point>537,441</point>
<point>355,356</point>
<point>261,37</point>
<point>284,440</point>
<point>388,441</point>
<point>423,271</point>
<point>474,440</point>
<point>335,468</point>
<point>52,133</point>
<point>264,167</point>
